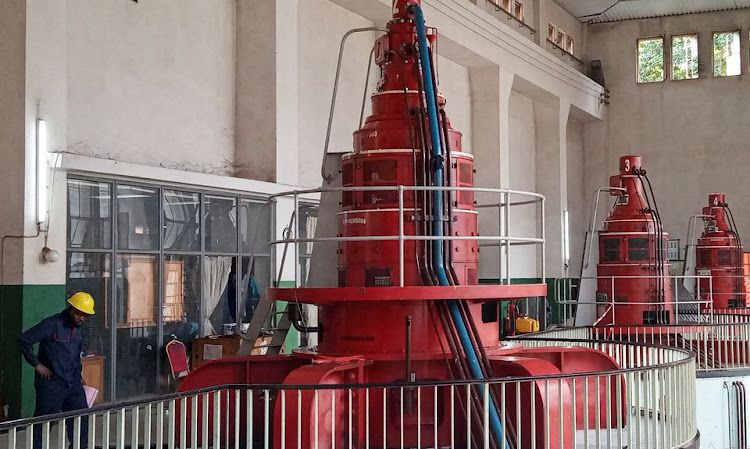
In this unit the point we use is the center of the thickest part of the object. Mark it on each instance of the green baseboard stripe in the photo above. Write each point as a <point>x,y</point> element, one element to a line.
<point>22,306</point>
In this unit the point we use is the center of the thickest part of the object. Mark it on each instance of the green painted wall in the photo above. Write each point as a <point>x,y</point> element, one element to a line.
<point>22,306</point>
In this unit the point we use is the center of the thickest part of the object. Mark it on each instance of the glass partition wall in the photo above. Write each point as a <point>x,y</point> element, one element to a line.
<point>161,263</point>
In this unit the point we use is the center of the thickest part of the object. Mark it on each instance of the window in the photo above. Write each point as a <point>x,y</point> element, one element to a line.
<point>518,10</point>
<point>569,44</point>
<point>551,31</point>
<point>685,57</point>
<point>560,38</point>
<point>650,59</point>
<point>161,262</point>
<point>727,53</point>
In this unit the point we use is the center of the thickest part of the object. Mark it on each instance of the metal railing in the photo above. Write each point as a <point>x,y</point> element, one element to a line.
<point>717,347</point>
<point>508,199</point>
<point>569,291</point>
<point>649,403</point>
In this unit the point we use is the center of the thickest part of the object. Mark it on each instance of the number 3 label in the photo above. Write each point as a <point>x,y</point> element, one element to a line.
<point>627,165</point>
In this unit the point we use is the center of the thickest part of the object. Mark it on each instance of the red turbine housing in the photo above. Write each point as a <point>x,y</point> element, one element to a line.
<point>633,286</point>
<point>719,254</point>
<point>363,319</point>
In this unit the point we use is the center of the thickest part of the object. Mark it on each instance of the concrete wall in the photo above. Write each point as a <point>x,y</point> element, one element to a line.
<point>523,177</point>
<point>550,11</point>
<point>578,206</point>
<point>692,133</point>
<point>322,24</point>
<point>152,82</point>
<point>454,85</point>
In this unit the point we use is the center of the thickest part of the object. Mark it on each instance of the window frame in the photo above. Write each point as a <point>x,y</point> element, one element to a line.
<point>518,10</point>
<point>115,251</point>
<point>551,28</point>
<point>671,56</point>
<point>638,59</point>
<point>713,50</point>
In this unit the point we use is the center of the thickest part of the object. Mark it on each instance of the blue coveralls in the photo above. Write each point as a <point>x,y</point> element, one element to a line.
<point>60,346</point>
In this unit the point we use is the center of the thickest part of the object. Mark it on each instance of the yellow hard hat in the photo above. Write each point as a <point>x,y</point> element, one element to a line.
<point>83,302</point>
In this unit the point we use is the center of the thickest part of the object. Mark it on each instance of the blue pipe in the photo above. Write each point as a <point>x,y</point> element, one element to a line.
<point>437,226</point>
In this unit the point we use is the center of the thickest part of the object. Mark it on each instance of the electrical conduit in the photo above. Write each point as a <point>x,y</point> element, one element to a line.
<point>437,228</point>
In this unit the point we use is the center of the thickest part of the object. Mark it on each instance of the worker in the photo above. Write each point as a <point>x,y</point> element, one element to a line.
<point>57,381</point>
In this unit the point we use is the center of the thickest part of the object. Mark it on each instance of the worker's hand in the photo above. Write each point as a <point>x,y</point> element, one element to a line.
<point>43,371</point>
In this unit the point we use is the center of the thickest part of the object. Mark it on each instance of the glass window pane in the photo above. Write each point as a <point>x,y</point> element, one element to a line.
<point>308,220</point>
<point>90,273</point>
<point>135,325</point>
<point>650,60</point>
<point>257,227</point>
<point>685,57</point>
<point>89,214</point>
<point>137,217</point>
<point>221,224</point>
<point>182,228</point>
<point>256,278</point>
<point>182,299</point>
<point>727,54</point>
<point>219,284</point>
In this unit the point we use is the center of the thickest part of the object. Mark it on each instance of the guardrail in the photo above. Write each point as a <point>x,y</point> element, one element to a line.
<point>649,403</point>
<point>568,294</point>
<point>506,200</point>
<point>717,347</point>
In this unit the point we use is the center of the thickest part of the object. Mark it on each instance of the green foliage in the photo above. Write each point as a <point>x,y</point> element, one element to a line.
<point>725,47</point>
<point>685,57</point>
<point>650,60</point>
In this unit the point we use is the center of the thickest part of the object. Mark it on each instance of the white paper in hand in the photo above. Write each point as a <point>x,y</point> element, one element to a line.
<point>91,394</point>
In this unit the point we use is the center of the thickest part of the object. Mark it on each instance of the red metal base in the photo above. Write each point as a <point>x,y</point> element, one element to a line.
<point>328,406</point>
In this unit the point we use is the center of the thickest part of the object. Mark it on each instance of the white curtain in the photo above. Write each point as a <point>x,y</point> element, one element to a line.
<point>216,276</point>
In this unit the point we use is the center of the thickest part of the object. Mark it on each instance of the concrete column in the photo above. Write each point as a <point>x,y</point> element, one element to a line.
<point>551,118</point>
<point>266,90</point>
<point>490,95</point>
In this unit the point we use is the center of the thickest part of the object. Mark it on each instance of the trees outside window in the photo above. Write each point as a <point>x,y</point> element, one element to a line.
<point>650,59</point>
<point>727,53</point>
<point>685,57</point>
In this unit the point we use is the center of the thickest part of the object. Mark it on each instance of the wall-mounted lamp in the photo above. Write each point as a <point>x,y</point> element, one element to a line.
<point>566,237</point>
<point>50,255</point>
<point>41,171</point>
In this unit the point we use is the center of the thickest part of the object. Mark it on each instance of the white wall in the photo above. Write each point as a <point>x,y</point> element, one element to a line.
<point>692,133</point>
<point>152,82</point>
<point>550,11</point>
<point>523,177</point>
<point>322,24</point>
<point>578,206</point>
<point>454,85</point>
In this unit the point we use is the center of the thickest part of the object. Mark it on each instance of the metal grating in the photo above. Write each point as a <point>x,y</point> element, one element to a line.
<point>599,11</point>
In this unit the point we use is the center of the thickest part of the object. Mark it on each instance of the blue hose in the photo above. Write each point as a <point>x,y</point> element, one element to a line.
<point>437,226</point>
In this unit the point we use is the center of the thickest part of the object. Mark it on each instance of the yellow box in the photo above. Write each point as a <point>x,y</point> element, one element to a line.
<point>525,325</point>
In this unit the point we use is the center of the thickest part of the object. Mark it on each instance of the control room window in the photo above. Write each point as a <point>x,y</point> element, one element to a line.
<point>518,10</point>
<point>727,53</point>
<point>685,57</point>
<point>569,44</point>
<point>650,59</point>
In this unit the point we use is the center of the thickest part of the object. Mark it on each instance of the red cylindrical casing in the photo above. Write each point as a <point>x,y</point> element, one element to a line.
<point>719,254</point>
<point>633,270</point>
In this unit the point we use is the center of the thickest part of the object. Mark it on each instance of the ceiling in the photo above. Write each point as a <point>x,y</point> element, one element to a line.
<point>598,11</point>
